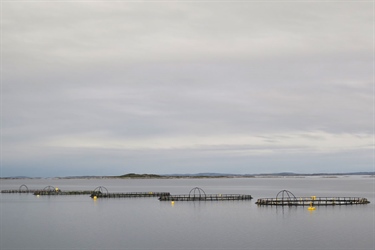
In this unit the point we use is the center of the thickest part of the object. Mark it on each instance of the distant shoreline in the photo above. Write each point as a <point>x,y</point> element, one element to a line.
<point>204,176</point>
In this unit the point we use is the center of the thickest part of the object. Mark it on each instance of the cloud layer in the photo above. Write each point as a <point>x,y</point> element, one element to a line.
<point>177,87</point>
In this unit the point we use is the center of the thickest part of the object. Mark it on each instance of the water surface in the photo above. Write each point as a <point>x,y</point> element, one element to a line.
<point>78,222</point>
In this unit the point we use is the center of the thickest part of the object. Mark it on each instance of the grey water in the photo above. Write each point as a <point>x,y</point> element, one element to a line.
<point>79,222</point>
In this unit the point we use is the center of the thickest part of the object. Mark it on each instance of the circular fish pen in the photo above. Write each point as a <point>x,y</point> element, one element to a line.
<point>287,198</point>
<point>198,194</point>
<point>102,192</point>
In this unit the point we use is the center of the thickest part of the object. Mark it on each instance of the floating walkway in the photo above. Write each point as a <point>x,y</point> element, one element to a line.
<point>209,197</point>
<point>197,194</point>
<point>99,192</point>
<point>129,195</point>
<point>50,190</point>
<point>286,198</point>
<point>102,192</point>
<point>23,189</point>
<point>14,191</point>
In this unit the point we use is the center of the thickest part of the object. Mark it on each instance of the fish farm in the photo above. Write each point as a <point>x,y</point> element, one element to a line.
<point>286,198</point>
<point>197,194</point>
<point>283,198</point>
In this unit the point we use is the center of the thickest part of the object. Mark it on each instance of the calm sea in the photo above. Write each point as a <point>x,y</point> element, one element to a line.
<point>79,222</point>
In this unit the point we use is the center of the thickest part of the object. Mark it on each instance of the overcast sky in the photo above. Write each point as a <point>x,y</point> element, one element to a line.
<point>112,87</point>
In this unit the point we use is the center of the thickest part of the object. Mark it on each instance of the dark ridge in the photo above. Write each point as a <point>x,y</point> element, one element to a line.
<point>140,176</point>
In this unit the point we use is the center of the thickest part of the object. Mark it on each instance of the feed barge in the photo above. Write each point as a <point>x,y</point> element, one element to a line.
<point>286,198</point>
<point>197,194</point>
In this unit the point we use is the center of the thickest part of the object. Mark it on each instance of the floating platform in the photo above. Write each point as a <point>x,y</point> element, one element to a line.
<point>197,194</point>
<point>102,192</point>
<point>50,190</point>
<point>286,198</point>
<point>99,192</point>
<point>129,195</point>
<point>44,192</point>
<point>16,191</point>
<point>209,197</point>
<point>23,189</point>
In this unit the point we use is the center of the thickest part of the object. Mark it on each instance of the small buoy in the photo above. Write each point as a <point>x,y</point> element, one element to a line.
<point>94,197</point>
<point>37,195</point>
<point>172,202</point>
<point>311,207</point>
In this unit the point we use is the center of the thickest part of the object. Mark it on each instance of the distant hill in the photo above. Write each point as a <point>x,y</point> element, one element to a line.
<point>20,177</point>
<point>225,175</point>
<point>316,174</point>
<point>199,175</point>
<point>140,176</point>
<point>202,174</point>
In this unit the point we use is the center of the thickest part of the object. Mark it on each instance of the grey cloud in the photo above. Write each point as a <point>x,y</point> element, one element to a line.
<point>125,70</point>
<point>81,32</point>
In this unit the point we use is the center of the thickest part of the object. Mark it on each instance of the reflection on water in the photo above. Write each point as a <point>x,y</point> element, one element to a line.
<point>79,222</point>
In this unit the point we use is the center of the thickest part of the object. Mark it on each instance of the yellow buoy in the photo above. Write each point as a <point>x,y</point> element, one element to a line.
<point>172,202</point>
<point>37,195</point>
<point>94,197</point>
<point>311,207</point>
